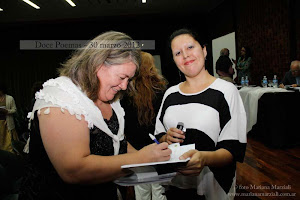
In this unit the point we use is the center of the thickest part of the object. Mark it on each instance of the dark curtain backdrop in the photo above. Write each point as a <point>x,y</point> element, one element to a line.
<point>20,69</point>
<point>270,28</point>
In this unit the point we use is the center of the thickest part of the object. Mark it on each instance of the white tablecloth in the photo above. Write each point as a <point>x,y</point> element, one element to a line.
<point>250,97</point>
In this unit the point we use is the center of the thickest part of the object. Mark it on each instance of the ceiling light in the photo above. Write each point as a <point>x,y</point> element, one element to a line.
<point>1,9</point>
<point>71,3</point>
<point>144,1</point>
<point>32,4</point>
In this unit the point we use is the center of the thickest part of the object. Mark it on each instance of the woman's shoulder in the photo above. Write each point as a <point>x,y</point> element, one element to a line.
<point>60,82</point>
<point>173,88</point>
<point>169,91</point>
<point>61,92</point>
<point>224,86</point>
<point>58,89</point>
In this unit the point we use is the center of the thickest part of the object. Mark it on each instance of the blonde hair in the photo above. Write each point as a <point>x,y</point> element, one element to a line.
<point>146,84</point>
<point>82,67</point>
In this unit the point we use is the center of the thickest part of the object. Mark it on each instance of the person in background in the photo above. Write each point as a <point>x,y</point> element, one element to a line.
<point>224,52</point>
<point>7,125</point>
<point>141,105</point>
<point>37,86</point>
<point>224,68</point>
<point>214,117</point>
<point>243,65</point>
<point>292,77</point>
<point>77,144</point>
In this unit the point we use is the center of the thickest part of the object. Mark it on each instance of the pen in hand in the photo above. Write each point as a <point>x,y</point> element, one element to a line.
<point>153,138</point>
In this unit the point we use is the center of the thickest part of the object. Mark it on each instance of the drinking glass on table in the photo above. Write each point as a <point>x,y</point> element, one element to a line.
<point>270,83</point>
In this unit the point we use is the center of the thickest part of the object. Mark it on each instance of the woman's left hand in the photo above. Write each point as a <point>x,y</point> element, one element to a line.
<point>199,159</point>
<point>196,163</point>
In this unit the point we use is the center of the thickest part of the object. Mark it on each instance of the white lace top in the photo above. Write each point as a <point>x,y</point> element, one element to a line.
<point>63,93</point>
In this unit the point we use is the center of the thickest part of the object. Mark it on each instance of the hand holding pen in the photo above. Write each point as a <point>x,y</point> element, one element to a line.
<point>153,138</point>
<point>155,152</point>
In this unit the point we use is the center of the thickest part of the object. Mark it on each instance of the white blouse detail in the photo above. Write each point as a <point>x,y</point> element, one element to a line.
<point>62,92</point>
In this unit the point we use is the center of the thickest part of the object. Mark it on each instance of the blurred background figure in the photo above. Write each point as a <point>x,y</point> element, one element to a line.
<point>7,125</point>
<point>292,77</point>
<point>224,68</point>
<point>224,52</point>
<point>141,106</point>
<point>243,65</point>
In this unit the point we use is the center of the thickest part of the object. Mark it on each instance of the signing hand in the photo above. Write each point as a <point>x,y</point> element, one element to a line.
<point>155,152</point>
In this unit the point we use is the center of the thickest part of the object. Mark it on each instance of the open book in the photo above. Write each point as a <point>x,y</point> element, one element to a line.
<point>156,172</point>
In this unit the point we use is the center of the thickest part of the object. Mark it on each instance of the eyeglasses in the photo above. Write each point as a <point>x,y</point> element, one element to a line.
<point>294,71</point>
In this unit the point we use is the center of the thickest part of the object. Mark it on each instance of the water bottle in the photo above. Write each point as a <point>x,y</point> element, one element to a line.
<point>246,81</point>
<point>265,82</point>
<point>243,81</point>
<point>275,82</point>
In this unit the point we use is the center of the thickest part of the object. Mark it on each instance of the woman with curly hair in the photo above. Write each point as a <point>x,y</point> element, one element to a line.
<point>141,105</point>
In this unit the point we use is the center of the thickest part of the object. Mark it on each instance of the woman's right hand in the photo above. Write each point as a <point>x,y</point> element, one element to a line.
<point>174,135</point>
<point>155,152</point>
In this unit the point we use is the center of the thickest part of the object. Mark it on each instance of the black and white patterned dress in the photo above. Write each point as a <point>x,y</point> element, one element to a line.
<point>214,118</point>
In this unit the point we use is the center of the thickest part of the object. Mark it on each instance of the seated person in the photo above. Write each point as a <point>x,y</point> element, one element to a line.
<point>224,68</point>
<point>292,77</point>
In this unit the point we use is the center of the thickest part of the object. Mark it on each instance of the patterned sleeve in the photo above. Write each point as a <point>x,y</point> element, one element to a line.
<point>233,135</point>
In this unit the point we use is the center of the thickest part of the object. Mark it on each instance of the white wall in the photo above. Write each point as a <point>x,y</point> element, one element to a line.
<point>157,62</point>
<point>226,41</point>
